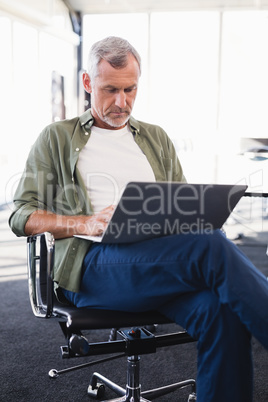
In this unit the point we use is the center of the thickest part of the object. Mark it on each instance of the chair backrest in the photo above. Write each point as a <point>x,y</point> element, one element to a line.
<point>40,257</point>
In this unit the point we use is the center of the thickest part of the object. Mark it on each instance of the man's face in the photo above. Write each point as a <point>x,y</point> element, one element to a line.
<point>113,93</point>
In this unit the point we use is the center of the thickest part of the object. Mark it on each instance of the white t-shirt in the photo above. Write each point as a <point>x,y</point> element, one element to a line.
<point>109,160</point>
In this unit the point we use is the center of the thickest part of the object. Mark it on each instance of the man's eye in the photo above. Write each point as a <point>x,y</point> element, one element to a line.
<point>111,91</point>
<point>130,89</point>
<point>115,90</point>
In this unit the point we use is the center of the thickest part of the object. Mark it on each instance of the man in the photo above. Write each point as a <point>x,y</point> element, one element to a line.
<point>73,178</point>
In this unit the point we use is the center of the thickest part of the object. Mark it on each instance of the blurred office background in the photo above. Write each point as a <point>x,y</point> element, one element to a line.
<point>204,78</point>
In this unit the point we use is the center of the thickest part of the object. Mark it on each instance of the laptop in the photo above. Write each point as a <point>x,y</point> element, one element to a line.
<point>154,209</point>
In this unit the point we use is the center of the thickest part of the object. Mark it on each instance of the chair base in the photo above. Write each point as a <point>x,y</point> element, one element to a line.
<point>125,400</point>
<point>133,393</point>
<point>136,341</point>
<point>191,398</point>
<point>154,393</point>
<point>99,391</point>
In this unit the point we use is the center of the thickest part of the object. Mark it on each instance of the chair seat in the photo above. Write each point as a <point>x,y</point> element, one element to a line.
<point>87,318</point>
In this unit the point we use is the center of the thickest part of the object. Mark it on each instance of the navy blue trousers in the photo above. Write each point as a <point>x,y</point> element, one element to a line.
<point>202,282</point>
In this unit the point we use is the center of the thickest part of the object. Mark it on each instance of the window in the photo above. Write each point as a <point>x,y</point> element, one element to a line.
<point>205,82</point>
<point>30,55</point>
<point>244,78</point>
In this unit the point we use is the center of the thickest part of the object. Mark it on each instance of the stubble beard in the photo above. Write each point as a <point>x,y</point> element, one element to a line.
<point>114,122</point>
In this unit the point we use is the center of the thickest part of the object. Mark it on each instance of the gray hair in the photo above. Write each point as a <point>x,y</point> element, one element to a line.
<point>114,50</point>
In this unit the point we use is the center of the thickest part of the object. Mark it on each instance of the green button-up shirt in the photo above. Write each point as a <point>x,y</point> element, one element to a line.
<point>52,182</point>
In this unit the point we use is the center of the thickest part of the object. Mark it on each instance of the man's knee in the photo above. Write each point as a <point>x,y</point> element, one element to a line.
<point>205,311</point>
<point>195,311</point>
<point>216,322</point>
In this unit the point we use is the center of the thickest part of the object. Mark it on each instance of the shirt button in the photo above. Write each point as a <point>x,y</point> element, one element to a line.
<point>86,133</point>
<point>77,149</point>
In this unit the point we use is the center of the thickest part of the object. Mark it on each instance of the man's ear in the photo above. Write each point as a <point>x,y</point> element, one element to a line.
<point>87,82</point>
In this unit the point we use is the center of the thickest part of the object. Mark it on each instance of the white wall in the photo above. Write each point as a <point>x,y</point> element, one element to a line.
<point>36,39</point>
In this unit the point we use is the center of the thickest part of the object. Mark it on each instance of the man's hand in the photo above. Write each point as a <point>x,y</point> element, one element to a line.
<point>62,226</point>
<point>96,224</point>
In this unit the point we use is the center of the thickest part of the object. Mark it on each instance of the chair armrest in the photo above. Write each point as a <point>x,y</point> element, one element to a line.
<point>40,260</point>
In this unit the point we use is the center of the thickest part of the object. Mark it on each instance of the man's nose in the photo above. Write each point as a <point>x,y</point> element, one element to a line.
<point>120,99</point>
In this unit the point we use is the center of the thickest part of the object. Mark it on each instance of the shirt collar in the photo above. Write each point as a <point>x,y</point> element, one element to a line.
<point>87,118</point>
<point>134,125</point>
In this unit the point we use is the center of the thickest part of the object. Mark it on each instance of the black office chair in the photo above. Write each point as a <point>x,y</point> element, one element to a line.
<point>136,341</point>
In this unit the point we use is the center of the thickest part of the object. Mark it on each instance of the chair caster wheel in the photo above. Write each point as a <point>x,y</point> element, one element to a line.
<point>192,397</point>
<point>97,392</point>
